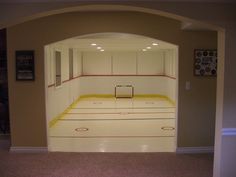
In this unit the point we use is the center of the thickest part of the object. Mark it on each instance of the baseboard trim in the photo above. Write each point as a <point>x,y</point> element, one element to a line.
<point>195,150</point>
<point>29,149</point>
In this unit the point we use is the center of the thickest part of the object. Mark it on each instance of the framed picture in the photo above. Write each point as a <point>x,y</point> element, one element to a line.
<point>25,65</point>
<point>205,62</point>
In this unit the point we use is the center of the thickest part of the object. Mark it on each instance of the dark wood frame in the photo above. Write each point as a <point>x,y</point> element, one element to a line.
<point>25,69</point>
<point>206,60</point>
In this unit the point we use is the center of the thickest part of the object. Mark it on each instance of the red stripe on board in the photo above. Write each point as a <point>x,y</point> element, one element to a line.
<point>110,136</point>
<point>121,75</point>
<point>64,81</point>
<point>124,113</point>
<point>52,85</point>
<point>130,75</point>
<point>70,79</point>
<point>171,77</point>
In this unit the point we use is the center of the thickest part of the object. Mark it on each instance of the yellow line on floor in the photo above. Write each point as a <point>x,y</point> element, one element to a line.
<point>62,115</point>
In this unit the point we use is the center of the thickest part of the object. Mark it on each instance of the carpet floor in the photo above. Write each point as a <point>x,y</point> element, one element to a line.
<point>58,164</point>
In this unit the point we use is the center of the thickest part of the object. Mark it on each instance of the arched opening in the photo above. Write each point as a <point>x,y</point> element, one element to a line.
<point>219,94</point>
<point>63,26</point>
<point>112,92</point>
<point>113,7</point>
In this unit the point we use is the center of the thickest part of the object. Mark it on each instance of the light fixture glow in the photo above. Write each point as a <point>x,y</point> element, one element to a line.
<point>99,47</point>
<point>148,47</point>
<point>144,50</point>
<point>155,44</point>
<point>93,44</point>
<point>102,50</point>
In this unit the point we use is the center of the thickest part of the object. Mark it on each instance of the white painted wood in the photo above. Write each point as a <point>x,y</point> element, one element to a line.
<point>48,64</point>
<point>96,63</point>
<point>150,63</point>
<point>64,63</point>
<point>171,88</point>
<point>60,98</point>
<point>77,63</point>
<point>175,61</point>
<point>170,63</point>
<point>49,54</point>
<point>141,84</point>
<point>79,60</point>
<point>124,63</point>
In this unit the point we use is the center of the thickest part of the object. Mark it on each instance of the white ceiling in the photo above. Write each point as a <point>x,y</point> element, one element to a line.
<point>115,42</point>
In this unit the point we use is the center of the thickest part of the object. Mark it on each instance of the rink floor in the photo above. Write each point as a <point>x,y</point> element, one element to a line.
<point>116,125</point>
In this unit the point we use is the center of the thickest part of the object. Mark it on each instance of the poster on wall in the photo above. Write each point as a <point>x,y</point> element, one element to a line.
<point>25,65</point>
<point>205,62</point>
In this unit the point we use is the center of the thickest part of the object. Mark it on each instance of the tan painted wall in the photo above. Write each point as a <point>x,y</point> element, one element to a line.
<point>220,14</point>
<point>27,101</point>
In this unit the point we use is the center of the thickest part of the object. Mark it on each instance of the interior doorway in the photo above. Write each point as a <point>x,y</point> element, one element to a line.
<point>112,92</point>
<point>4,115</point>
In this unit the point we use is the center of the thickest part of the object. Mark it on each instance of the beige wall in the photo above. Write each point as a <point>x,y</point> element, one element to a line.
<point>222,15</point>
<point>27,100</point>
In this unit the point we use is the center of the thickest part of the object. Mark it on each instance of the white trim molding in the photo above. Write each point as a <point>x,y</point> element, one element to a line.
<point>195,150</point>
<point>228,131</point>
<point>29,149</point>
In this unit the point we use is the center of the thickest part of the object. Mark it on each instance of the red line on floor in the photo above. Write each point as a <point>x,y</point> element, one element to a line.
<point>123,113</point>
<point>130,108</point>
<point>109,136</point>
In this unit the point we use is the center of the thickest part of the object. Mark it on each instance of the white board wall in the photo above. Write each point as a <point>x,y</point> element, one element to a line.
<point>126,63</point>
<point>161,85</point>
<point>77,63</point>
<point>59,98</point>
<point>96,63</point>
<point>150,63</point>
<point>50,60</point>
<point>111,63</point>
<point>107,63</point>
<point>170,63</point>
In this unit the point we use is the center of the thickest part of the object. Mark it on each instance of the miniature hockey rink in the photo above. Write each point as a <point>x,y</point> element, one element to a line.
<point>115,125</point>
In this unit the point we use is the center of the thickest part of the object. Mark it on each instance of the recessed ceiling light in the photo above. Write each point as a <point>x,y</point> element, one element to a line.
<point>102,50</point>
<point>99,47</point>
<point>155,44</point>
<point>148,47</point>
<point>93,44</point>
<point>144,50</point>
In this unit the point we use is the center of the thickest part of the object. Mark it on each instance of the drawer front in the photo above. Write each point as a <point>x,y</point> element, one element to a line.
<point>114,128</point>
